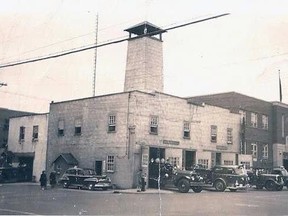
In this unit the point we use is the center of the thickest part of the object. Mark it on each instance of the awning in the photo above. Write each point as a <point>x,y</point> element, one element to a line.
<point>68,158</point>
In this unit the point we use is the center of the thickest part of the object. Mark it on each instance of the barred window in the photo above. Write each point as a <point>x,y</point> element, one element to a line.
<point>22,134</point>
<point>186,127</point>
<point>174,161</point>
<point>203,162</point>
<point>110,163</point>
<point>35,133</point>
<point>229,136</point>
<point>228,162</point>
<point>214,133</point>
<point>112,123</point>
<point>154,125</point>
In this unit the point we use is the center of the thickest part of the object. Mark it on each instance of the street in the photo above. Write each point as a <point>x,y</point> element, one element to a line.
<point>26,199</point>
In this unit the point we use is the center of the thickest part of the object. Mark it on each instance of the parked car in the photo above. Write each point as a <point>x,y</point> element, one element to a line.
<point>220,177</point>
<point>260,178</point>
<point>8,174</point>
<point>181,179</point>
<point>282,172</point>
<point>84,179</point>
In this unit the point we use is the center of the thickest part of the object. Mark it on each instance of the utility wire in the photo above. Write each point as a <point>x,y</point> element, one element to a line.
<point>10,64</point>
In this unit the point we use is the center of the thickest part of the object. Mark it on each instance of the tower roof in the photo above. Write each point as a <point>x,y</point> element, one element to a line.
<point>145,28</point>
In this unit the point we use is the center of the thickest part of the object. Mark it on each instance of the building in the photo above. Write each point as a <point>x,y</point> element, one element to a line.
<point>264,126</point>
<point>27,140</point>
<point>118,134</point>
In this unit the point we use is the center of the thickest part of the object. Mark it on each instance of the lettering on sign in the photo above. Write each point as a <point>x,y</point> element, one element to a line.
<point>171,142</point>
<point>221,147</point>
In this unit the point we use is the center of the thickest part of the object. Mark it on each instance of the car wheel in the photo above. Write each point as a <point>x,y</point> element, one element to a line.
<point>270,185</point>
<point>197,189</point>
<point>183,186</point>
<point>233,190</point>
<point>219,185</point>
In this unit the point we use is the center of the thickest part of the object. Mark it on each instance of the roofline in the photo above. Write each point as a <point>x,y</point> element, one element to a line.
<point>36,114</point>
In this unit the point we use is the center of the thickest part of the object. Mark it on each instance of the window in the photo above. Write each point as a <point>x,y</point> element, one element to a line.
<point>254,118</point>
<point>22,134</point>
<point>61,128</point>
<point>174,161</point>
<point>242,116</point>
<point>246,164</point>
<point>214,133</point>
<point>254,150</point>
<point>203,162</point>
<point>229,136</point>
<point>154,125</point>
<point>112,123</point>
<point>186,126</point>
<point>110,163</point>
<point>78,127</point>
<point>265,151</point>
<point>35,133</point>
<point>228,162</point>
<point>265,122</point>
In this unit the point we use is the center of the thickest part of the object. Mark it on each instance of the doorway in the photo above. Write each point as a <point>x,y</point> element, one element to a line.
<point>189,159</point>
<point>218,158</point>
<point>155,155</point>
<point>98,167</point>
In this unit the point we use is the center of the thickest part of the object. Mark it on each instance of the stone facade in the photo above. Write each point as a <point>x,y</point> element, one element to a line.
<point>28,149</point>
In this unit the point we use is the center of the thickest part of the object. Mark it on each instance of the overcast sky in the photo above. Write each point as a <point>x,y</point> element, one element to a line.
<point>241,52</point>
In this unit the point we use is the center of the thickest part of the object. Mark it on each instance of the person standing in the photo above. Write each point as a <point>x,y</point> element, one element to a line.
<point>52,179</point>
<point>43,180</point>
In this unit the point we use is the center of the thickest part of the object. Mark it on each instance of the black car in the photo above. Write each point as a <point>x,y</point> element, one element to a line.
<point>84,179</point>
<point>282,172</point>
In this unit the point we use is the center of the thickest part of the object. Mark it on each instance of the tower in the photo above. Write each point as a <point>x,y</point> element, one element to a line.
<point>144,66</point>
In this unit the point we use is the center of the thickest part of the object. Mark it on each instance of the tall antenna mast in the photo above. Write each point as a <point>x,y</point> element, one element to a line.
<point>95,56</point>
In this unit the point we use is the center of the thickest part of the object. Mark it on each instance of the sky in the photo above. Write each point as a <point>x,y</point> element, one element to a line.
<point>242,52</point>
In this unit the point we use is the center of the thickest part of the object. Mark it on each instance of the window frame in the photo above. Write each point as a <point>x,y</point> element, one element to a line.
<point>213,133</point>
<point>112,123</point>
<point>110,165</point>
<point>186,129</point>
<point>22,134</point>
<point>154,124</point>
<point>61,127</point>
<point>254,150</point>
<point>265,122</point>
<point>35,133</point>
<point>254,120</point>
<point>229,136</point>
<point>265,151</point>
<point>78,127</point>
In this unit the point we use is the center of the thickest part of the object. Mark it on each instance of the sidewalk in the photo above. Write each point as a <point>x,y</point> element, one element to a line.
<point>147,191</point>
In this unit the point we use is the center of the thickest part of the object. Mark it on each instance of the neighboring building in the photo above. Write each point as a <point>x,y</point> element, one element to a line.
<point>5,114</point>
<point>117,134</point>
<point>264,124</point>
<point>27,140</point>
<point>280,134</point>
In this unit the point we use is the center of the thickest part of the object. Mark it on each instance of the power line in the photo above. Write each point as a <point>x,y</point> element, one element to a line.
<point>76,50</point>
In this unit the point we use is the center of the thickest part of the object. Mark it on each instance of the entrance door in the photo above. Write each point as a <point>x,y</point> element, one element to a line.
<point>189,159</point>
<point>98,167</point>
<point>218,158</point>
<point>155,155</point>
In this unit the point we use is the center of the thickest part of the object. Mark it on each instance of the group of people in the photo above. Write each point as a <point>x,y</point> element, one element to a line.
<point>43,180</point>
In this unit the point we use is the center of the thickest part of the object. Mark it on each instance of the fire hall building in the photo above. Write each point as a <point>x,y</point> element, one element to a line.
<point>118,134</point>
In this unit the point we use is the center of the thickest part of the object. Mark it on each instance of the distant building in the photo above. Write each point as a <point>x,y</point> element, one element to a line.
<point>264,126</point>
<point>27,141</point>
<point>117,134</point>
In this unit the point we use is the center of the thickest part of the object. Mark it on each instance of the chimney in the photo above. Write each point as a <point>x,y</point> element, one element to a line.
<point>144,66</point>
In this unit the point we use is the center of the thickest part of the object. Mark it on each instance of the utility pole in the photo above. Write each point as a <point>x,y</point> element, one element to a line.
<point>95,56</point>
<point>3,84</point>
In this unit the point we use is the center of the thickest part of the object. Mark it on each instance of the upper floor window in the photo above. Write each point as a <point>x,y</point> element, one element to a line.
<point>254,118</point>
<point>242,116</point>
<point>186,127</point>
<point>35,133</point>
<point>265,151</point>
<point>265,122</point>
<point>229,136</point>
<point>112,123</point>
<point>61,128</point>
<point>110,163</point>
<point>78,126</point>
<point>214,133</point>
<point>254,150</point>
<point>154,125</point>
<point>22,134</point>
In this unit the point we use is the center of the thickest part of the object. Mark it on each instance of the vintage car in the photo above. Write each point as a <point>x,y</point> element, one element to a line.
<point>84,179</point>
<point>181,179</point>
<point>8,174</point>
<point>282,172</point>
<point>220,177</point>
<point>260,178</point>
